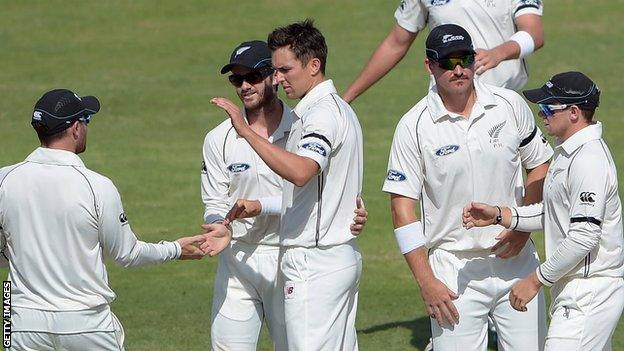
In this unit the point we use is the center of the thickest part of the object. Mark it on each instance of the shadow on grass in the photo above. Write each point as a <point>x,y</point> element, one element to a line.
<point>421,332</point>
<point>420,328</point>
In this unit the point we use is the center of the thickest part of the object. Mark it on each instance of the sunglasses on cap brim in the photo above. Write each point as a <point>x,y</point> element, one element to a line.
<point>253,77</point>
<point>450,63</point>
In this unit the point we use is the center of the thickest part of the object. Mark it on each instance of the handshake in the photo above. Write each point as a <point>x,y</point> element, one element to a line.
<point>217,236</point>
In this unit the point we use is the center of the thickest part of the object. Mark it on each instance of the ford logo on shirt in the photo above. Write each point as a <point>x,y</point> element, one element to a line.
<point>315,147</point>
<point>446,150</point>
<point>395,176</point>
<point>238,167</point>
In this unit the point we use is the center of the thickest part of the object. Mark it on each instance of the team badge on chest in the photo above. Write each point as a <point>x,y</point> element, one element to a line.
<point>494,133</point>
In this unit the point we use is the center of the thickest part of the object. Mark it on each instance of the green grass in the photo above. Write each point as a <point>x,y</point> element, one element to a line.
<point>155,65</point>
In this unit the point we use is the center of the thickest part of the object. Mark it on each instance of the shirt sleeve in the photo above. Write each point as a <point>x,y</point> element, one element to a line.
<point>215,182</point>
<point>534,148</point>
<point>320,135</point>
<point>528,218</point>
<point>117,239</point>
<point>587,192</point>
<point>524,7</point>
<point>405,174</point>
<point>411,15</point>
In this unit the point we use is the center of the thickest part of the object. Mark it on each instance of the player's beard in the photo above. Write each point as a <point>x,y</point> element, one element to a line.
<point>264,98</point>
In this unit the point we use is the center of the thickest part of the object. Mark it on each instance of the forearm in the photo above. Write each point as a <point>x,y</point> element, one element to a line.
<point>530,218</point>
<point>292,167</point>
<point>142,253</point>
<point>418,262</point>
<point>534,184</point>
<point>390,52</point>
<point>581,239</point>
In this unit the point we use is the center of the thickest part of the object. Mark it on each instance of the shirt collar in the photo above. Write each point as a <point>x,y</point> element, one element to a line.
<point>589,133</point>
<point>315,94</point>
<point>485,100</point>
<point>54,157</point>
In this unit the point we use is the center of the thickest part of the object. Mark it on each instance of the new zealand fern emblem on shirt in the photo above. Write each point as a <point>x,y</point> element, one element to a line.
<point>494,133</point>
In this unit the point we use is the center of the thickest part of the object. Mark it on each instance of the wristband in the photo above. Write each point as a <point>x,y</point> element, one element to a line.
<point>410,237</point>
<point>271,205</point>
<point>525,41</point>
<point>499,217</point>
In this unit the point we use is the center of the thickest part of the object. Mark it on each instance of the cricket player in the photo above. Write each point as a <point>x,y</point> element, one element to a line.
<point>581,216</point>
<point>320,261</point>
<point>247,288</point>
<point>504,32</point>
<point>57,221</point>
<point>466,140</point>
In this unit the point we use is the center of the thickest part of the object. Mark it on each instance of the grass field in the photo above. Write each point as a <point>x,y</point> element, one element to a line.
<point>155,65</point>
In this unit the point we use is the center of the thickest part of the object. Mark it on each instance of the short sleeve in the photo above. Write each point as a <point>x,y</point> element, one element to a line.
<point>405,174</point>
<point>411,15</point>
<point>319,136</point>
<point>524,7</point>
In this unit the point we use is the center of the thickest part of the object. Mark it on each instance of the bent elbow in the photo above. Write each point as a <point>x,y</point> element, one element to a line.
<point>539,43</point>
<point>301,181</point>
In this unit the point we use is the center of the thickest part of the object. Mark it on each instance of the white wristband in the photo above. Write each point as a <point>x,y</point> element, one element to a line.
<point>410,237</point>
<point>271,205</point>
<point>525,41</point>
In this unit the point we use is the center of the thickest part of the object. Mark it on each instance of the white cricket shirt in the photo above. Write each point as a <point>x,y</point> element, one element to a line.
<point>446,161</point>
<point>232,170</point>
<point>489,23</point>
<point>327,131</point>
<point>58,219</point>
<point>581,211</point>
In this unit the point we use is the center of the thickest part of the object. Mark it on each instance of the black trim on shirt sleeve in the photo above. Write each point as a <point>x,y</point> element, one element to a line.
<point>585,219</point>
<point>318,136</point>
<point>525,6</point>
<point>529,138</point>
<point>539,269</point>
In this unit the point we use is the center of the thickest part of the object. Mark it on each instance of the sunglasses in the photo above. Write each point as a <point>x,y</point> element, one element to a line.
<point>549,110</point>
<point>253,77</point>
<point>449,63</point>
<point>85,119</point>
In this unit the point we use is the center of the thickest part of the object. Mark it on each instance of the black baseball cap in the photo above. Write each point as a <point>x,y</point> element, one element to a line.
<point>570,88</point>
<point>57,109</point>
<point>251,54</point>
<point>447,39</point>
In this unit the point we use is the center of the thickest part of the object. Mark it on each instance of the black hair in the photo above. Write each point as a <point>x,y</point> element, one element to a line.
<point>305,41</point>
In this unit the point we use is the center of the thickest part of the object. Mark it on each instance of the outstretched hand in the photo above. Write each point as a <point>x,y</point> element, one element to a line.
<point>217,237</point>
<point>478,214</point>
<point>236,116</point>
<point>191,247</point>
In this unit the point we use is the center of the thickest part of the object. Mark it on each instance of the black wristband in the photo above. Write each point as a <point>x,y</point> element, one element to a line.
<point>499,218</point>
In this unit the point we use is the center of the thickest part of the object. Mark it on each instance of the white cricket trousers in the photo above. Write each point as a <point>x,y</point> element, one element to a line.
<point>246,292</point>
<point>66,341</point>
<point>584,313</point>
<point>321,291</point>
<point>483,282</point>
